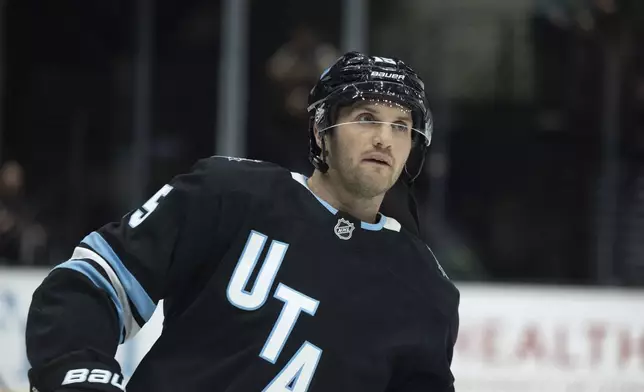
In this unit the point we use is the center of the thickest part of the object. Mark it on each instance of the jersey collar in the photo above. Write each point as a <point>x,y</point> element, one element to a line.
<point>382,222</point>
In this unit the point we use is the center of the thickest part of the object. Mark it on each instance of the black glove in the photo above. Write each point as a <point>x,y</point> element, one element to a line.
<point>81,371</point>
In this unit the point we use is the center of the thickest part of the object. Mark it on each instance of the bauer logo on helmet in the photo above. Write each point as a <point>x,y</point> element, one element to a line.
<point>387,75</point>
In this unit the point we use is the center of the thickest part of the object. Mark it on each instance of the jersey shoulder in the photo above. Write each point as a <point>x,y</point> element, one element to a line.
<point>427,254</point>
<point>224,174</point>
<point>430,277</point>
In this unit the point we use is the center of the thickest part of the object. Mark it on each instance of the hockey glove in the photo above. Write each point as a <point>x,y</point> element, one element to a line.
<point>83,371</point>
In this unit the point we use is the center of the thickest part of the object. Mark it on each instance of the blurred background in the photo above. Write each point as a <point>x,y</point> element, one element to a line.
<point>533,189</point>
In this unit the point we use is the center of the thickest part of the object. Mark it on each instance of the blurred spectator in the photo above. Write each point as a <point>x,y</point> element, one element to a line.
<point>11,184</point>
<point>295,67</point>
<point>22,240</point>
<point>292,70</point>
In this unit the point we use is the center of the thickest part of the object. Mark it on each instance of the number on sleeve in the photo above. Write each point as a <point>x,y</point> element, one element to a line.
<point>141,214</point>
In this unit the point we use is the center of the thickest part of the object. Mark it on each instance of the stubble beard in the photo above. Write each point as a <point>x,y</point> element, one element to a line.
<point>359,180</point>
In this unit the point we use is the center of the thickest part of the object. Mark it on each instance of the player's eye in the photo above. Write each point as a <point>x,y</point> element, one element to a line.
<point>400,126</point>
<point>365,117</point>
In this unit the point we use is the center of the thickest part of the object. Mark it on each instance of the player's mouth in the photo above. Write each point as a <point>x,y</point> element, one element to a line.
<point>378,159</point>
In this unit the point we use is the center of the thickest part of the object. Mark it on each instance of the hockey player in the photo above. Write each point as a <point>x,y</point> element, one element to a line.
<point>271,281</point>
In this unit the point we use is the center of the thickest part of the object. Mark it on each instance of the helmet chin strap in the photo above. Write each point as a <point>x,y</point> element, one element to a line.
<point>413,178</point>
<point>319,161</point>
<point>324,167</point>
<point>411,199</point>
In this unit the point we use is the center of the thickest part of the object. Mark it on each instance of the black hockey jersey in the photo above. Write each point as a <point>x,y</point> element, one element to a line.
<point>266,287</point>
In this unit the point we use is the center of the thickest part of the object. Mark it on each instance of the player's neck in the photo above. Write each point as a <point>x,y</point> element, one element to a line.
<point>340,198</point>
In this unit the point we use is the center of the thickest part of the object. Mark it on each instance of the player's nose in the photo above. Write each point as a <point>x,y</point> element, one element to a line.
<point>382,135</point>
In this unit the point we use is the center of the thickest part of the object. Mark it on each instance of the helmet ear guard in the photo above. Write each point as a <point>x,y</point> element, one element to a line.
<point>317,154</point>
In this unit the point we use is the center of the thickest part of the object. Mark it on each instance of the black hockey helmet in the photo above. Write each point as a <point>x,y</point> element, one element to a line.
<point>356,76</point>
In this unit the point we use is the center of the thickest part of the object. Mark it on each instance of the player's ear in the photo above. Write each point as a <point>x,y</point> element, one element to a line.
<point>318,138</point>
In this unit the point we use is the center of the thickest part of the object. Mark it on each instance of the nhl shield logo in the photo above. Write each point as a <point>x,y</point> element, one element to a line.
<point>344,229</point>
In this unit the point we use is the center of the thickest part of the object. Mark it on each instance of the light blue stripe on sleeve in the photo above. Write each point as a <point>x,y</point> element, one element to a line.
<point>137,294</point>
<point>100,282</point>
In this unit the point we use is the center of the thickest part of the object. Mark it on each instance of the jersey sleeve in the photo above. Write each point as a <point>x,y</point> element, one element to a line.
<point>428,367</point>
<point>430,371</point>
<point>451,342</point>
<point>110,286</point>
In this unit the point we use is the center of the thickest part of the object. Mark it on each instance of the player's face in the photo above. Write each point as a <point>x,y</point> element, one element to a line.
<point>369,152</point>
